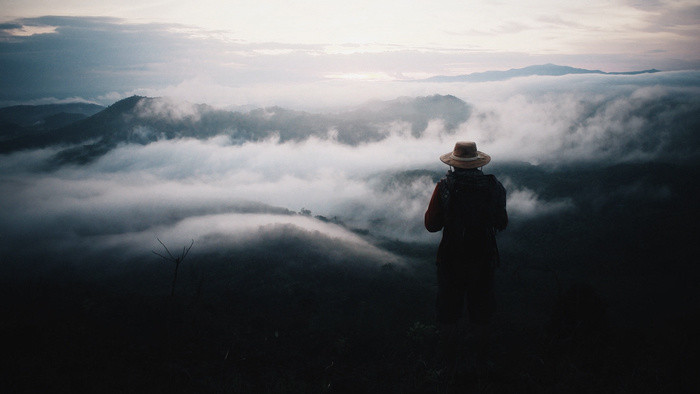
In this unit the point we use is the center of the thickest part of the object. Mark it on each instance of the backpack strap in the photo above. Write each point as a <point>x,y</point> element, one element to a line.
<point>445,188</point>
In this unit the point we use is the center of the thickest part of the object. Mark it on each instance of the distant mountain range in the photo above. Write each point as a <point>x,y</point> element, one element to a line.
<point>87,131</point>
<point>142,120</point>
<point>22,120</point>
<point>544,69</point>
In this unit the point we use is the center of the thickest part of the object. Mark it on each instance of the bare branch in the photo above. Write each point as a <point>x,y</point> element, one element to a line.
<point>177,260</point>
<point>185,252</point>
<point>158,254</point>
<point>166,248</point>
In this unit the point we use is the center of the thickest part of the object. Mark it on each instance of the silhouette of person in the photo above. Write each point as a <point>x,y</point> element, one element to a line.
<point>469,207</point>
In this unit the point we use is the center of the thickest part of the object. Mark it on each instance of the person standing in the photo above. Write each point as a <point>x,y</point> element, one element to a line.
<point>470,208</point>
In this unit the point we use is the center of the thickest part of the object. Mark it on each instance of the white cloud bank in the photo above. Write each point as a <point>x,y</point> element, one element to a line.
<point>182,189</point>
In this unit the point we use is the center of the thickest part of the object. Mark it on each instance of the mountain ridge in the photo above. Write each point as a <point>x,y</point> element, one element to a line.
<point>142,120</point>
<point>548,69</point>
<point>28,115</point>
<point>22,120</point>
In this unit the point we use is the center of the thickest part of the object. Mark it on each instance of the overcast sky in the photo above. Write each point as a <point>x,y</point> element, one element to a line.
<point>102,51</point>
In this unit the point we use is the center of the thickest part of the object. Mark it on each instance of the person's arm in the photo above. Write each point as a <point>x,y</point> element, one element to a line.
<point>434,216</point>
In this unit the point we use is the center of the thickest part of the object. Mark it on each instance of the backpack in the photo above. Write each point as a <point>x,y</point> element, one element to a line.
<point>474,209</point>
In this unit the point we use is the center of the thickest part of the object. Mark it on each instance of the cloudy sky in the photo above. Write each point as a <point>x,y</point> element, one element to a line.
<point>256,52</point>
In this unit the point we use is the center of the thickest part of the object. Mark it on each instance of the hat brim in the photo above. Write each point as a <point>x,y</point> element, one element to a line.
<point>481,160</point>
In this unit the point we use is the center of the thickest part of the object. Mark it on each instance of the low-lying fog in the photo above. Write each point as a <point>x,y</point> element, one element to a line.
<point>219,192</point>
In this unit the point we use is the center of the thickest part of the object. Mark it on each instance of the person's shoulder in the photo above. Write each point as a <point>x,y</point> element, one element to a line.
<point>494,182</point>
<point>492,178</point>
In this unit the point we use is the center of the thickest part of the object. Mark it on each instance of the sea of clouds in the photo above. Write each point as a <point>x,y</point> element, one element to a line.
<point>225,194</point>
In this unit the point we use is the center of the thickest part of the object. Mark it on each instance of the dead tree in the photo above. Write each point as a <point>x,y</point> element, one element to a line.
<point>175,259</point>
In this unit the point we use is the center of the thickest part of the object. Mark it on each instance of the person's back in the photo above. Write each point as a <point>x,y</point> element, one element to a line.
<point>470,208</point>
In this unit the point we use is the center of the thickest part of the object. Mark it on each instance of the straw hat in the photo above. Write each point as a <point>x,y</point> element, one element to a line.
<point>465,155</point>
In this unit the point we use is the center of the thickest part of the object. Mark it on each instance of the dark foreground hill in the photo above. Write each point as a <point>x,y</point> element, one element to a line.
<point>597,299</point>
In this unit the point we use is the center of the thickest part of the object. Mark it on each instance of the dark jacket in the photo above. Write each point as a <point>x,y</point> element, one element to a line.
<point>470,208</point>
